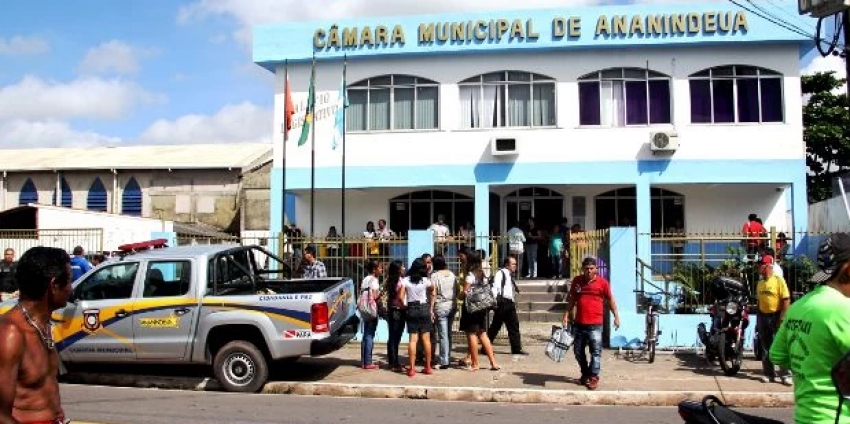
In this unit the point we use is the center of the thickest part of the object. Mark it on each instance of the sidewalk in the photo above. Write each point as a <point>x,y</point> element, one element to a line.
<point>625,380</point>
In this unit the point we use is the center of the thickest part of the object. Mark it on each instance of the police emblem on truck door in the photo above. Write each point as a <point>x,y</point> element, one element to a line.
<point>91,319</point>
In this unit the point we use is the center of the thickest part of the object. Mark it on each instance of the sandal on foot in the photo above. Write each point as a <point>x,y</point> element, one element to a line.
<point>495,368</point>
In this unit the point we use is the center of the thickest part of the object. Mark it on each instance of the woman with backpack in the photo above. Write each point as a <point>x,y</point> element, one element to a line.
<point>370,324</point>
<point>396,314</point>
<point>474,324</point>
<point>418,291</point>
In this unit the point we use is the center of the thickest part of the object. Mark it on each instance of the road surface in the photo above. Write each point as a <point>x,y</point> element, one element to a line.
<point>150,406</point>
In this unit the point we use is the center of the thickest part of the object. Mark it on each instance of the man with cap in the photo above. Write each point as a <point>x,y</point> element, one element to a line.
<point>773,301</point>
<point>79,264</point>
<point>815,335</point>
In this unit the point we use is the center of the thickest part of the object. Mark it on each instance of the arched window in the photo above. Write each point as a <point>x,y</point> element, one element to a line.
<point>67,200</point>
<point>507,99</point>
<point>393,102</point>
<point>619,208</point>
<point>419,209</point>
<point>28,194</point>
<point>624,96</point>
<point>728,94</point>
<point>96,200</point>
<point>131,198</point>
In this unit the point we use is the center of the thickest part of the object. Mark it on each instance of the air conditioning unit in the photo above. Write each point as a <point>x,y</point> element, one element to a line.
<point>663,142</point>
<point>822,8</point>
<point>503,146</point>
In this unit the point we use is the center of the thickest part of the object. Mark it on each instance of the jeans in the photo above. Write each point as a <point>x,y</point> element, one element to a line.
<point>556,267</point>
<point>767,328</point>
<point>531,252</point>
<point>445,318</point>
<point>588,336</point>
<point>368,342</point>
<point>396,322</point>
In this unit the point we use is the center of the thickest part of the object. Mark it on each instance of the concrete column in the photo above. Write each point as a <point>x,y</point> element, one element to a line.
<point>419,242</point>
<point>482,216</point>
<point>799,213</point>
<point>644,220</point>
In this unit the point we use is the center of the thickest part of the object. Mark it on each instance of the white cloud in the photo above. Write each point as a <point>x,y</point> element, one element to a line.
<point>113,57</point>
<point>250,13</point>
<point>36,99</point>
<point>826,64</point>
<point>244,123</point>
<point>20,45</point>
<point>19,133</point>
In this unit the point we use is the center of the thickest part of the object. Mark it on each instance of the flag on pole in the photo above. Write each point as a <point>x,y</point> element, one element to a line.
<point>311,106</point>
<point>341,104</point>
<point>289,106</point>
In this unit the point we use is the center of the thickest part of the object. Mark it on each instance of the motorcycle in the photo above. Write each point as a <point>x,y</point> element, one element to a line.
<point>712,411</point>
<point>729,319</point>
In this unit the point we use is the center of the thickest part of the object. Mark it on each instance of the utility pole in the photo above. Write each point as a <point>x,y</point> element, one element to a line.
<point>846,20</point>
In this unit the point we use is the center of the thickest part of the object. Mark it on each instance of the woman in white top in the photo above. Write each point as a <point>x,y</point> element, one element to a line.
<point>418,291</point>
<point>370,326</point>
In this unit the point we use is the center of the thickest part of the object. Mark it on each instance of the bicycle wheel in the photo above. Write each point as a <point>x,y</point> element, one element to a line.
<point>652,335</point>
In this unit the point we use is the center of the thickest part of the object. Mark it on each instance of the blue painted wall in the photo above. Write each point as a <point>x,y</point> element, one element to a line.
<point>295,42</point>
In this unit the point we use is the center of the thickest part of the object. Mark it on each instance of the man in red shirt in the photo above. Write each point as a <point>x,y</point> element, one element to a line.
<point>752,230</point>
<point>588,292</point>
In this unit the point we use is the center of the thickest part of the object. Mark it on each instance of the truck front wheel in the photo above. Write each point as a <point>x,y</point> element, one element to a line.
<point>240,367</point>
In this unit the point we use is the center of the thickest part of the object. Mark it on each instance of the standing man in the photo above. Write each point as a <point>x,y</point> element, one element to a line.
<point>814,336</point>
<point>505,290</point>
<point>441,234</point>
<point>588,293</point>
<point>79,264</point>
<point>773,302</point>
<point>313,268</point>
<point>29,363</point>
<point>516,244</point>
<point>8,285</point>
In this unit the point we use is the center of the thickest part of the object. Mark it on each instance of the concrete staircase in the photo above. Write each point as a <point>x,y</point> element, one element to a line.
<point>542,300</point>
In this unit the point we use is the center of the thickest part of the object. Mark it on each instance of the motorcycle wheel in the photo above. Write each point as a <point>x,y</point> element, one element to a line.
<point>730,358</point>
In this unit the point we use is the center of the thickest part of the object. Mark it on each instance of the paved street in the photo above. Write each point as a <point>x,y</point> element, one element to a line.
<point>150,406</point>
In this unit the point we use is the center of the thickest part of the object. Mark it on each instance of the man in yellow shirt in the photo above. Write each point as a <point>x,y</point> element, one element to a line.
<point>773,301</point>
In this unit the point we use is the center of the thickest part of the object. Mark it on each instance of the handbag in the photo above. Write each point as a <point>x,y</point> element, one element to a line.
<point>559,343</point>
<point>381,305</point>
<point>480,298</point>
<point>366,305</point>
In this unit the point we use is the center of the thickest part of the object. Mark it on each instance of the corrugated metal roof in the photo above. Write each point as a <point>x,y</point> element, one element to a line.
<point>182,156</point>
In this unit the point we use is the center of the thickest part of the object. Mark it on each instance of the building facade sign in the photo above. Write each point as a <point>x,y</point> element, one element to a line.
<point>507,31</point>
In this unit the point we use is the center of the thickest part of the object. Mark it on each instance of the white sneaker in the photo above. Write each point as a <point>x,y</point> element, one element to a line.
<point>765,379</point>
<point>787,380</point>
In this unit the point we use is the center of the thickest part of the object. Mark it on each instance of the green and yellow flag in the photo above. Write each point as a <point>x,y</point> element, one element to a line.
<point>311,107</point>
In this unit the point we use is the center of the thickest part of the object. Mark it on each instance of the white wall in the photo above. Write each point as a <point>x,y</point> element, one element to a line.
<point>724,207</point>
<point>117,229</point>
<point>361,206</point>
<point>566,143</point>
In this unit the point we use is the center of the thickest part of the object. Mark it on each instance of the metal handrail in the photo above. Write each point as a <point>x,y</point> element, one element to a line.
<point>643,281</point>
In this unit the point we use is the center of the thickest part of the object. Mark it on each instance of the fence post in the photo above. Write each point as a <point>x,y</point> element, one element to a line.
<point>702,252</point>
<point>772,244</point>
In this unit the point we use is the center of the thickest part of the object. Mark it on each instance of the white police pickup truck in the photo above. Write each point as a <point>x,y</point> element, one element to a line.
<point>214,304</point>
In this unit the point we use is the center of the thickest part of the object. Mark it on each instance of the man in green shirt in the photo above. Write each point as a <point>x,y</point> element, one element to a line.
<point>816,334</point>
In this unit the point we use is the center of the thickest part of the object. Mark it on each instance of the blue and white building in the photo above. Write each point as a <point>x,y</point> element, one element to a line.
<point>615,116</point>
<point>637,115</point>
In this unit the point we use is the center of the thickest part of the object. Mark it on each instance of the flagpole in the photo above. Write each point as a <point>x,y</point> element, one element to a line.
<point>286,118</point>
<point>344,125</point>
<point>313,158</point>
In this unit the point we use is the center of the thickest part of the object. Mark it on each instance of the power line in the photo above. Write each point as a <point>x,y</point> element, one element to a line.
<point>770,17</point>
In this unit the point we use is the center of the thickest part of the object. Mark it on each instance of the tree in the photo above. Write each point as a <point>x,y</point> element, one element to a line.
<point>826,120</point>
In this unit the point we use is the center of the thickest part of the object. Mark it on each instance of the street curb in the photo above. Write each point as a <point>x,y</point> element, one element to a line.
<point>465,394</point>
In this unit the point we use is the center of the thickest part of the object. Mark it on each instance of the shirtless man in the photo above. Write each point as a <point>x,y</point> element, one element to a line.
<point>29,363</point>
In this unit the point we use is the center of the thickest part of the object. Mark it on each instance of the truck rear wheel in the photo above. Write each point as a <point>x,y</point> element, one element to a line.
<point>240,367</point>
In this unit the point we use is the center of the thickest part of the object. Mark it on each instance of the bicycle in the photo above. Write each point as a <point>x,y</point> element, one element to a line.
<point>652,303</point>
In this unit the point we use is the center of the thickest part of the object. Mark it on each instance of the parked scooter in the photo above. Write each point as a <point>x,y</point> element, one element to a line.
<point>712,411</point>
<point>729,319</point>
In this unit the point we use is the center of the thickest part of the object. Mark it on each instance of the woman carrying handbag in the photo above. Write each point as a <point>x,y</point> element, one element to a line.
<point>474,323</point>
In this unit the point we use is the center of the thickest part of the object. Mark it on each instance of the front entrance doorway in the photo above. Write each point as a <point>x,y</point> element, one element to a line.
<point>547,208</point>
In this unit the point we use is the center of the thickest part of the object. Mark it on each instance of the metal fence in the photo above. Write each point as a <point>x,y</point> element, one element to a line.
<point>593,244</point>
<point>685,264</point>
<point>91,239</point>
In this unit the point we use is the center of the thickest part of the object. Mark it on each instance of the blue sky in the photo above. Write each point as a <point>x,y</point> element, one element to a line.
<point>91,72</point>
